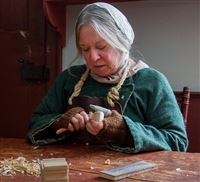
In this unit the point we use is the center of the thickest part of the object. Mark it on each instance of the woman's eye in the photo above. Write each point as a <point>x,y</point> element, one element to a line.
<point>101,47</point>
<point>85,49</point>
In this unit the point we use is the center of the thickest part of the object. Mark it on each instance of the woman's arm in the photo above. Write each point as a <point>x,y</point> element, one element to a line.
<point>153,117</point>
<point>51,107</point>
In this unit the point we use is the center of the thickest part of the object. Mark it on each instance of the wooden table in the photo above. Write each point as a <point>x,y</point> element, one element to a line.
<point>87,161</point>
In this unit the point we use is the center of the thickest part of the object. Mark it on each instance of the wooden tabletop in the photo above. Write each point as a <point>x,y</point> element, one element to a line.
<point>86,161</point>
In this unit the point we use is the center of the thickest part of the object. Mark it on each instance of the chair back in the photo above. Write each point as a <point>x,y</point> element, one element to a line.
<point>183,99</point>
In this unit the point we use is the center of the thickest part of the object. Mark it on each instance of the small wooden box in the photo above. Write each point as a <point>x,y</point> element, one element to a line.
<point>54,170</point>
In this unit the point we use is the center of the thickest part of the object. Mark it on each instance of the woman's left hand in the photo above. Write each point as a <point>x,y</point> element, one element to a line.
<point>94,127</point>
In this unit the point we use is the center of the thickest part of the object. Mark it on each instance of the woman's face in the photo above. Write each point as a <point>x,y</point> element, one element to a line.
<point>100,57</point>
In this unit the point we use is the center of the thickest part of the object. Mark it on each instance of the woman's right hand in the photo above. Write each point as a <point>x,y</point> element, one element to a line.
<point>71,120</point>
<point>78,121</point>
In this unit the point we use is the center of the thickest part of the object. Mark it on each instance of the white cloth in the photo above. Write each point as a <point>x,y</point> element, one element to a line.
<point>115,78</point>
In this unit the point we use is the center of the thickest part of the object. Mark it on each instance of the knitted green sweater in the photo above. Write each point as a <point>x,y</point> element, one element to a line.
<point>149,107</point>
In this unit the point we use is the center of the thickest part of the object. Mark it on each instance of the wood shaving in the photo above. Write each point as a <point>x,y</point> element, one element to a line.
<point>36,147</point>
<point>10,166</point>
<point>107,162</point>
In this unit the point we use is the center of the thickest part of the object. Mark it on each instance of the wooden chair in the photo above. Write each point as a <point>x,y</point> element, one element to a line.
<point>183,99</point>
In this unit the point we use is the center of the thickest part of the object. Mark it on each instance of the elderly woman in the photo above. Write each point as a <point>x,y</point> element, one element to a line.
<point>144,114</point>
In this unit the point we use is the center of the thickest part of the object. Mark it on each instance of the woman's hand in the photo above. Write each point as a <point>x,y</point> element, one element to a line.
<point>82,120</point>
<point>78,121</point>
<point>94,127</point>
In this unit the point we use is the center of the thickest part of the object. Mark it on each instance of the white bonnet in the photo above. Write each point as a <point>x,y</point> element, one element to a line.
<point>120,19</point>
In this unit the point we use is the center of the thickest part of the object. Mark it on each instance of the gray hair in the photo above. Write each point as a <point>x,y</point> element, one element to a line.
<point>109,23</point>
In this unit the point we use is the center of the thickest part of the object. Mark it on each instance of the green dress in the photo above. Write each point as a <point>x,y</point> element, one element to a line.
<point>148,103</point>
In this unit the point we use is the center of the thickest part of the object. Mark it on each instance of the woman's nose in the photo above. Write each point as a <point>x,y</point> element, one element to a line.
<point>94,55</point>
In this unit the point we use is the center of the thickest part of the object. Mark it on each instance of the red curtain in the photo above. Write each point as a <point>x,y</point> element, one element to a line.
<point>55,11</point>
